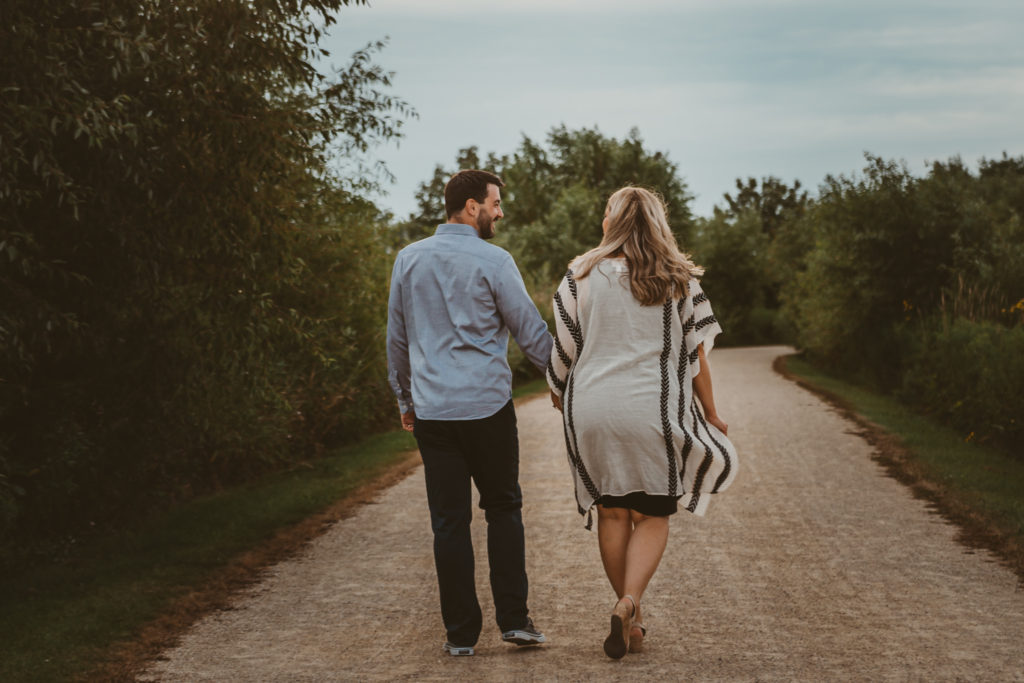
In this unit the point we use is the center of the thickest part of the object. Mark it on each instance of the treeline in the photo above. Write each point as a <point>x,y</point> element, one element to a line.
<point>554,200</point>
<point>916,285</point>
<point>911,285</point>
<point>192,290</point>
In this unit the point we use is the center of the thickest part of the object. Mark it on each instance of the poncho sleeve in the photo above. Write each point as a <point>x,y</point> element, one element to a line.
<point>700,327</point>
<point>568,338</point>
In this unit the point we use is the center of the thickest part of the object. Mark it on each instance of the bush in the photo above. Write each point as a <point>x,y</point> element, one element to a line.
<point>192,291</point>
<point>971,375</point>
<point>890,250</point>
<point>736,278</point>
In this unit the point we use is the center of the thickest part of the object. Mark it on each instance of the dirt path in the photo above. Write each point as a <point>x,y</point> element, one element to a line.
<point>813,566</point>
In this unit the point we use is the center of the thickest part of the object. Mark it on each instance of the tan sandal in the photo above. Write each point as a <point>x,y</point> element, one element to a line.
<point>617,643</point>
<point>636,637</point>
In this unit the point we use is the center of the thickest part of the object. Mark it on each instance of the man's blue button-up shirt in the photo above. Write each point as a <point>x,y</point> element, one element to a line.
<point>454,298</point>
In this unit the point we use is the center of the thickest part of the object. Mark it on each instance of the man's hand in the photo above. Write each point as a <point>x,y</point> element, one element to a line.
<point>556,401</point>
<point>408,420</point>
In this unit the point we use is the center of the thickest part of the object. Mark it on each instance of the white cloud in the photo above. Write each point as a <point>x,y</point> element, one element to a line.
<point>798,93</point>
<point>1004,83</point>
<point>436,7</point>
<point>932,35</point>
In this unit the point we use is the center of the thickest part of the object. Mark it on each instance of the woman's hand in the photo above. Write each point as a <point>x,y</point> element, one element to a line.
<point>719,423</point>
<point>702,390</point>
<point>556,401</point>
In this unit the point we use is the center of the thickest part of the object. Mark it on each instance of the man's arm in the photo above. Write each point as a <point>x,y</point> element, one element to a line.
<point>398,350</point>
<point>521,315</point>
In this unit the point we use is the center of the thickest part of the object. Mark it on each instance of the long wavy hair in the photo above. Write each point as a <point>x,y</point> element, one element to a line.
<point>638,229</point>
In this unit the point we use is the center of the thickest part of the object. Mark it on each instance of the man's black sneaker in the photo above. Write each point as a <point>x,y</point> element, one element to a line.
<point>525,635</point>
<point>459,650</point>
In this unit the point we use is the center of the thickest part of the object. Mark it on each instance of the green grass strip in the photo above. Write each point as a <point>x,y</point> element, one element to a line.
<point>978,482</point>
<point>535,386</point>
<point>58,618</point>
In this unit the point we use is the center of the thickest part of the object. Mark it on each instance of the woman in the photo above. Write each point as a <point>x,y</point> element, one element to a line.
<point>633,333</point>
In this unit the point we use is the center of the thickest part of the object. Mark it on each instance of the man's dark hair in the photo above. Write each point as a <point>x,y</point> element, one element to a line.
<point>466,185</point>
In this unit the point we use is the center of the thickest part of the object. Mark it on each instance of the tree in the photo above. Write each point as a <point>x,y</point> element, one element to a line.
<point>750,249</point>
<point>555,195</point>
<point>913,285</point>
<point>553,201</point>
<point>430,200</point>
<point>737,279</point>
<point>774,203</point>
<point>165,168</point>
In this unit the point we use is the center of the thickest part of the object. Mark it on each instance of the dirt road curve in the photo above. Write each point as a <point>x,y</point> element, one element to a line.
<point>813,566</point>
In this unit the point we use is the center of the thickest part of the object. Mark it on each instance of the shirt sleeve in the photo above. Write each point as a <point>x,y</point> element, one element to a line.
<point>521,315</point>
<point>567,333</point>
<point>701,327</point>
<point>398,342</point>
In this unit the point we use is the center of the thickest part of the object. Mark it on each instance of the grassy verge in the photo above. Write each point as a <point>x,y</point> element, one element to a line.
<point>60,620</point>
<point>124,597</point>
<point>980,488</point>
<point>535,386</point>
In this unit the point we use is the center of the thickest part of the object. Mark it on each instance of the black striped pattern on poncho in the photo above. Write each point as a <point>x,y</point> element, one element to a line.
<point>685,323</point>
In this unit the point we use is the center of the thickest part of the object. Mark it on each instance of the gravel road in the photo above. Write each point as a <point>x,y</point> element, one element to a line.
<point>814,566</point>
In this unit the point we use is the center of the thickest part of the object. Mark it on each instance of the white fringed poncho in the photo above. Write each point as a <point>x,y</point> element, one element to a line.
<point>625,374</point>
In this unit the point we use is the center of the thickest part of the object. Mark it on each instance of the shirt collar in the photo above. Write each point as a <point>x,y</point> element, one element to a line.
<point>456,229</point>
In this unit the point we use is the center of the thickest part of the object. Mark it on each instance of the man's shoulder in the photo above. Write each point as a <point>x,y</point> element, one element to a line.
<point>494,252</point>
<point>460,244</point>
<point>413,247</point>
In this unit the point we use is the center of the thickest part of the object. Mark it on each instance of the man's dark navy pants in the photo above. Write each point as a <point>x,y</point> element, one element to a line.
<point>485,451</point>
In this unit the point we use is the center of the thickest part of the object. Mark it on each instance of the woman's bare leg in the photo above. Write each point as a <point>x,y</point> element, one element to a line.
<point>614,529</point>
<point>643,553</point>
<point>631,548</point>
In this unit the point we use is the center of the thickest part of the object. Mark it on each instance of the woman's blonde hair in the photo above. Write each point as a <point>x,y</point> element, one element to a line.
<point>638,228</point>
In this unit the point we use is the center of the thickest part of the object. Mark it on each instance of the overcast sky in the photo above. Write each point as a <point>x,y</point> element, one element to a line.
<point>727,88</point>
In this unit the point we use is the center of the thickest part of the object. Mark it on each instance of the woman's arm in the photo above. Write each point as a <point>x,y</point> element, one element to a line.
<point>704,393</point>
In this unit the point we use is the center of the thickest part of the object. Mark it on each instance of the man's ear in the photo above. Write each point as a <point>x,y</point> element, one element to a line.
<point>471,207</point>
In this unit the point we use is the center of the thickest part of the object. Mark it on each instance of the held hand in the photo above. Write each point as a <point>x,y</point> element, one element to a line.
<point>408,420</point>
<point>556,401</point>
<point>720,423</point>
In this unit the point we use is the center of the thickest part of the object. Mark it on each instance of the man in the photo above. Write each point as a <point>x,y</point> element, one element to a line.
<point>454,299</point>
